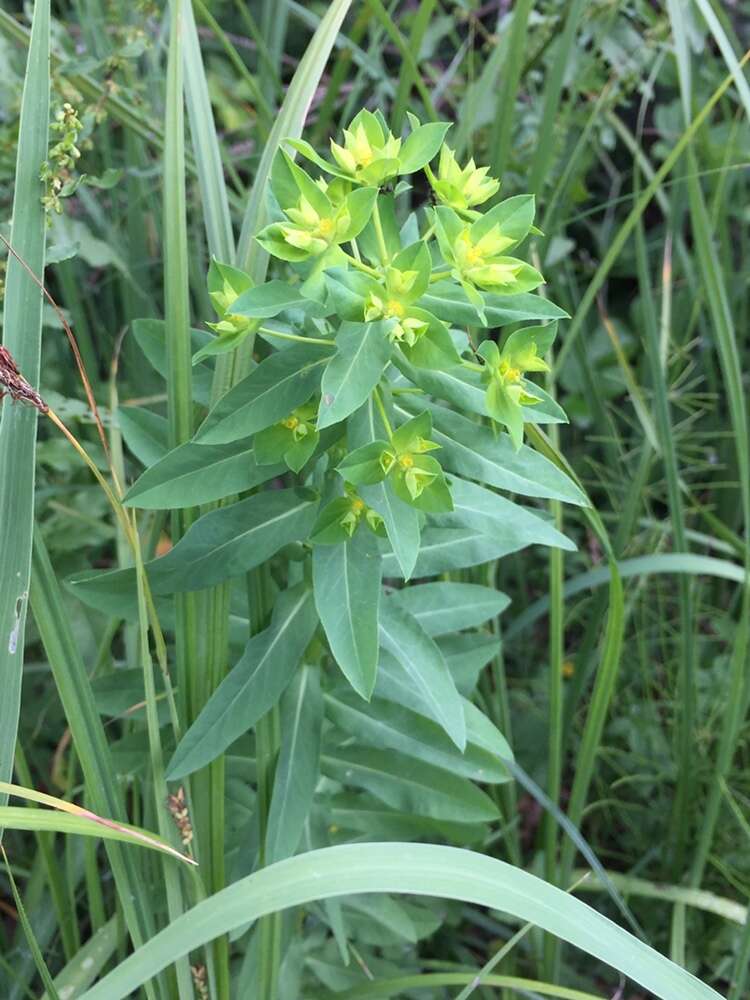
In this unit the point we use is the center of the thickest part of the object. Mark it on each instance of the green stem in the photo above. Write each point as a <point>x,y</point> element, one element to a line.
<point>379,234</point>
<point>383,415</point>
<point>293,336</point>
<point>361,266</point>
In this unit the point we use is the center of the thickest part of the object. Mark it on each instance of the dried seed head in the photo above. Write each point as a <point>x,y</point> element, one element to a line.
<point>200,981</point>
<point>177,805</point>
<point>15,385</point>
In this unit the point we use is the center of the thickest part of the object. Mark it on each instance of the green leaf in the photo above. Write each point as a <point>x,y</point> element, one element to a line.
<point>419,656</point>
<point>421,146</point>
<point>363,351</point>
<point>507,522</point>
<point>421,869</point>
<point>363,466</point>
<point>219,545</point>
<point>449,607</point>
<point>445,549</point>
<point>388,724</point>
<point>274,297</point>
<point>449,302</point>
<point>150,335</point>
<point>514,216</point>
<point>346,580</point>
<point>359,204</point>
<point>465,390</point>
<point>348,291</point>
<point>71,818</point>
<point>466,654</point>
<point>410,785</point>
<point>278,385</point>
<point>253,685</point>
<point>196,474</point>
<point>22,332</point>
<point>74,689</point>
<point>145,433</point>
<point>298,766</point>
<point>477,452</point>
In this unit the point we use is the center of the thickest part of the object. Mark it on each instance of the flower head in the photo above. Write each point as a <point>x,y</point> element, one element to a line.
<point>369,153</point>
<point>461,188</point>
<point>504,370</point>
<point>479,261</point>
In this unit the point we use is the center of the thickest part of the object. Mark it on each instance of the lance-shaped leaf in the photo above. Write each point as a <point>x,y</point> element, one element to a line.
<point>446,607</point>
<point>389,724</point>
<point>445,549</point>
<point>150,335</point>
<point>146,434</point>
<point>272,298</point>
<point>476,451</point>
<point>420,657</point>
<point>363,352</point>
<point>450,302</point>
<point>278,385</point>
<point>298,767</point>
<point>223,543</point>
<point>409,785</point>
<point>252,687</point>
<point>346,579</point>
<point>507,522</point>
<point>466,390</point>
<point>194,474</point>
<point>421,869</point>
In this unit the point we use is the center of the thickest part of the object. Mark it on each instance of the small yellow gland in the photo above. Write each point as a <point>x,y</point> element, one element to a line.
<point>291,423</point>
<point>358,505</point>
<point>406,461</point>
<point>508,373</point>
<point>394,308</point>
<point>326,227</point>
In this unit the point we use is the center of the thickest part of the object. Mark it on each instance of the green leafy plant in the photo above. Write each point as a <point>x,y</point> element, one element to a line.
<point>348,631</point>
<point>366,393</point>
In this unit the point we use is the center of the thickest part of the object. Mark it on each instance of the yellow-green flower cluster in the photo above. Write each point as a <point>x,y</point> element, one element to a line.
<point>461,188</point>
<point>361,151</point>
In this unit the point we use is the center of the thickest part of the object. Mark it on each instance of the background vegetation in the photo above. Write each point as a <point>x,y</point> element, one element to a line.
<point>625,698</point>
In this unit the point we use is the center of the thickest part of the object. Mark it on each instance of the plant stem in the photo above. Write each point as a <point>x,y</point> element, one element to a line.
<point>361,266</point>
<point>293,336</point>
<point>383,414</point>
<point>379,234</point>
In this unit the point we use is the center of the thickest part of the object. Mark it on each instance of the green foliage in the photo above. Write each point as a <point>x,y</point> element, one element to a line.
<point>379,601</point>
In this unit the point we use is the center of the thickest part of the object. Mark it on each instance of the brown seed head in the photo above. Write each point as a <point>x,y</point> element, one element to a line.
<point>15,385</point>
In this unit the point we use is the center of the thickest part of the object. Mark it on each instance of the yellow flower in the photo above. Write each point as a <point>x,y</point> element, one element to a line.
<point>478,262</point>
<point>308,230</point>
<point>461,188</point>
<point>358,152</point>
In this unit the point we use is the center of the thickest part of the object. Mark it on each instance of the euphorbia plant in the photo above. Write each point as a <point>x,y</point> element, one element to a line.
<point>360,457</point>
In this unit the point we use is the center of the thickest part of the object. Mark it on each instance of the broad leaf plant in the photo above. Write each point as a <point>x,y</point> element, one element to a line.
<point>369,461</point>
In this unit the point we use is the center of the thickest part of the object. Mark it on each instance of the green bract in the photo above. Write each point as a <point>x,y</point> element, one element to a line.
<point>461,189</point>
<point>371,155</point>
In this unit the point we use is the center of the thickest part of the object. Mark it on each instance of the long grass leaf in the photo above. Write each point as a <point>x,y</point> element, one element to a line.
<point>424,869</point>
<point>22,333</point>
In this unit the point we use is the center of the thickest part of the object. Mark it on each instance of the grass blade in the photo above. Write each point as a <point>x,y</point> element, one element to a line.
<point>22,333</point>
<point>422,869</point>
